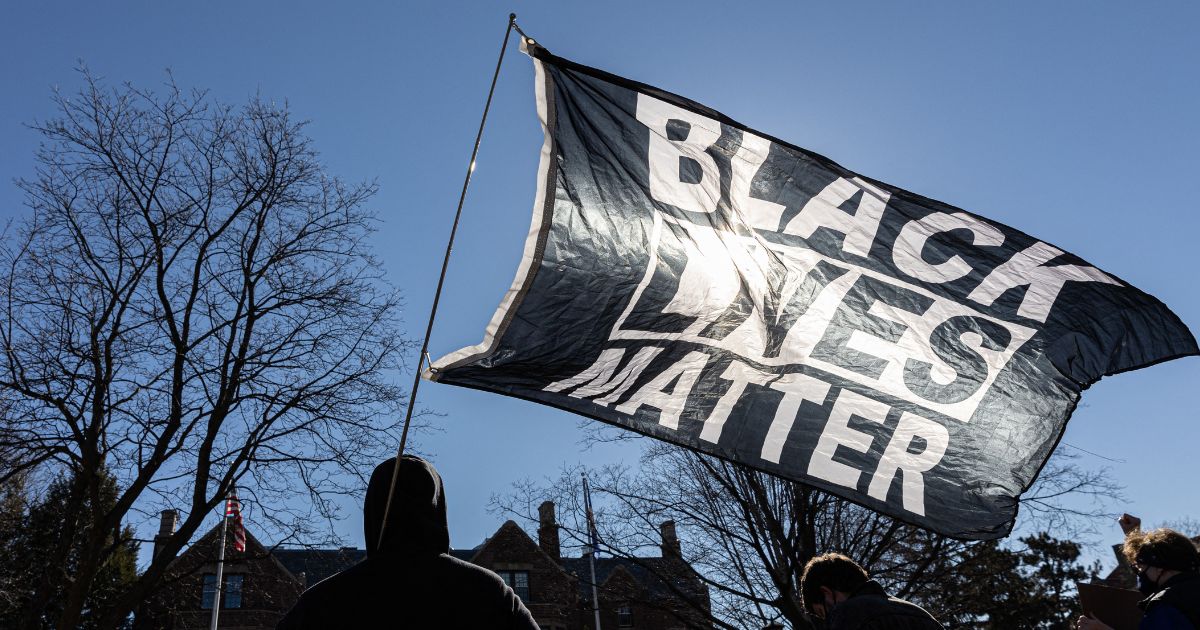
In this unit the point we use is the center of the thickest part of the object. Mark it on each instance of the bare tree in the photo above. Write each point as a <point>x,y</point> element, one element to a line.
<point>749,534</point>
<point>191,306</point>
<point>1187,525</point>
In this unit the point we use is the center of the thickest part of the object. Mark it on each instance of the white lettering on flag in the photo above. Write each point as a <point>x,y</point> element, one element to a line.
<point>679,137</point>
<point>900,342</point>
<point>796,389</point>
<point>1028,267</point>
<point>749,158</point>
<point>838,433</point>
<point>822,211</point>
<point>599,377</point>
<point>910,244</point>
<point>899,458</point>
<point>739,374</point>
<point>669,403</point>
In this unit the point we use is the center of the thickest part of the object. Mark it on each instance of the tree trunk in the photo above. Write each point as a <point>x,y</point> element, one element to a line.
<point>89,565</point>
<point>57,561</point>
<point>150,579</point>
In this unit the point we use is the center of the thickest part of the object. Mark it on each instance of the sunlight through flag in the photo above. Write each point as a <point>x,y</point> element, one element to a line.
<point>697,281</point>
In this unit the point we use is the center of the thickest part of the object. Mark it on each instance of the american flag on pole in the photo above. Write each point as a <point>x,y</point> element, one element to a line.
<point>593,535</point>
<point>233,509</point>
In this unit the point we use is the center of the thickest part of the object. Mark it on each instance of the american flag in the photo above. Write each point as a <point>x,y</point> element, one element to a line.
<point>593,535</point>
<point>233,508</point>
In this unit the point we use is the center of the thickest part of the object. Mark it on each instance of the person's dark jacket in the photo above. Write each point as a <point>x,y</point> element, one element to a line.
<point>409,580</point>
<point>870,608</point>
<point>1176,604</point>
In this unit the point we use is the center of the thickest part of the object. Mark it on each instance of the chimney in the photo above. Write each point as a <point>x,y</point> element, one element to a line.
<point>670,541</point>
<point>166,528</point>
<point>548,529</point>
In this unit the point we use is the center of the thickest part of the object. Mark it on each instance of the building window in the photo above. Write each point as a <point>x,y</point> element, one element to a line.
<point>233,592</point>
<point>210,587</point>
<point>231,598</point>
<point>625,616</point>
<point>518,581</point>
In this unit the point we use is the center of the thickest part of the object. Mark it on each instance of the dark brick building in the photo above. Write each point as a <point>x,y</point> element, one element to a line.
<point>660,592</point>
<point>258,588</point>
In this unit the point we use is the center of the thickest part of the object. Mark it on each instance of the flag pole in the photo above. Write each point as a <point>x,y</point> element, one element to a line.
<point>437,295</point>
<point>594,541</point>
<point>216,609</point>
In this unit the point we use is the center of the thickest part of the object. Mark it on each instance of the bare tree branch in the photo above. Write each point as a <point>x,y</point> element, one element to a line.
<point>191,306</point>
<point>749,534</point>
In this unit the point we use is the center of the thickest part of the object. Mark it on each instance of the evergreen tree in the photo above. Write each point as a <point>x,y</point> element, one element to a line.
<point>1030,585</point>
<point>29,528</point>
<point>12,522</point>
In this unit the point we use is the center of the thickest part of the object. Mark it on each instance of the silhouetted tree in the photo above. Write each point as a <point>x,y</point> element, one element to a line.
<point>190,305</point>
<point>1030,584</point>
<point>749,534</point>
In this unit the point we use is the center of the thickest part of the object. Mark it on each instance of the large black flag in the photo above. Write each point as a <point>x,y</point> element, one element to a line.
<point>697,281</point>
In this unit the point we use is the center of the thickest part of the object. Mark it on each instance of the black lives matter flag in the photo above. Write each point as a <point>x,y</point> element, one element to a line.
<point>694,280</point>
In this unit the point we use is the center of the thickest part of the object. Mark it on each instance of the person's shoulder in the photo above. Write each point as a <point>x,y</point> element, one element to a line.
<point>495,600</point>
<point>467,570</point>
<point>308,610</point>
<point>1180,600</point>
<point>1165,617</point>
<point>909,606</point>
<point>446,591</point>
<point>880,612</point>
<point>918,617</point>
<point>332,586</point>
<point>330,591</point>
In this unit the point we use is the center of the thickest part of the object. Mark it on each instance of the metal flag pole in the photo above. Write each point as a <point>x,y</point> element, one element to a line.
<point>437,295</point>
<point>594,540</point>
<point>216,608</point>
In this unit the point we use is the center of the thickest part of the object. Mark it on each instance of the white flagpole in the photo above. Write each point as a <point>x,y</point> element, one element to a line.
<point>216,609</point>
<point>595,547</point>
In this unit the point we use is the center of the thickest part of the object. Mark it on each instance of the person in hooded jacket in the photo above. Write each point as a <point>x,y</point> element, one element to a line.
<point>1168,573</point>
<point>409,580</point>
<point>838,592</point>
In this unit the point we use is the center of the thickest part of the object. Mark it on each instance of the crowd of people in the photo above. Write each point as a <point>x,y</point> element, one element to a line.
<point>409,579</point>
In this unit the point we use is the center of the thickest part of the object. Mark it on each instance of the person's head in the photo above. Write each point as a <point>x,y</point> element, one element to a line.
<point>828,580</point>
<point>417,517</point>
<point>1158,555</point>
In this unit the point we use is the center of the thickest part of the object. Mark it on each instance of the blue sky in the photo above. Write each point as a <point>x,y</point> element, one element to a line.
<point>1072,121</point>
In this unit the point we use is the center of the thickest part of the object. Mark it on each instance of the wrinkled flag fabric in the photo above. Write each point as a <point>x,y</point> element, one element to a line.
<point>697,281</point>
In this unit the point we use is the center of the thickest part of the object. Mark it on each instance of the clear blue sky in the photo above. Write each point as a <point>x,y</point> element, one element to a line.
<point>1073,121</point>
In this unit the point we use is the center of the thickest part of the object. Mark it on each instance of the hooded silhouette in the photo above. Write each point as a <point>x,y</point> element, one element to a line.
<point>409,580</point>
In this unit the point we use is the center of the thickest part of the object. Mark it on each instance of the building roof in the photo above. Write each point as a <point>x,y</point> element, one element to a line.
<point>646,571</point>
<point>317,564</point>
<point>464,554</point>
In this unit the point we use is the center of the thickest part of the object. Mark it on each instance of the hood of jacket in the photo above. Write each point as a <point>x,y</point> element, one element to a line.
<point>417,518</point>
